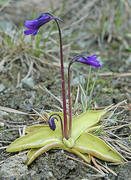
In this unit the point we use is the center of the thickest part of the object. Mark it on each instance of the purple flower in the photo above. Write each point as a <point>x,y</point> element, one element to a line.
<point>34,25</point>
<point>89,60</point>
<point>52,123</point>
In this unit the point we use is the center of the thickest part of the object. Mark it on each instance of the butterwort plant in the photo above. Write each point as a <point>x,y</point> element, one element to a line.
<point>64,131</point>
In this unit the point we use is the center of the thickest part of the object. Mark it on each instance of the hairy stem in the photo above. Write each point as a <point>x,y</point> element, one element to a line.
<point>63,81</point>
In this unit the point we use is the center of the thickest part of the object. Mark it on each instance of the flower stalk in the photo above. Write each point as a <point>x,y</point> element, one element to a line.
<point>33,28</point>
<point>89,60</point>
<point>63,81</point>
<point>69,101</point>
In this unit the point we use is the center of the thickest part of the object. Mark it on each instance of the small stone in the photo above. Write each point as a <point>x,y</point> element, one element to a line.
<point>2,124</point>
<point>2,87</point>
<point>29,82</point>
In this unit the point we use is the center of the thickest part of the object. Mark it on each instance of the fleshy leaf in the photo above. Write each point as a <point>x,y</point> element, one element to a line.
<point>85,121</point>
<point>35,128</point>
<point>88,143</point>
<point>34,153</point>
<point>36,139</point>
<point>31,153</point>
<point>95,128</point>
<point>83,156</point>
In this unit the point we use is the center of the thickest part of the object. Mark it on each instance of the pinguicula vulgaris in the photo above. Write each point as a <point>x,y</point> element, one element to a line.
<point>63,131</point>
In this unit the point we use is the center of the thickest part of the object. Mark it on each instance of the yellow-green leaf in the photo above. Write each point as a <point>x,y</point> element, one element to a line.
<point>85,121</point>
<point>83,156</point>
<point>88,143</point>
<point>34,153</point>
<point>35,128</point>
<point>35,139</point>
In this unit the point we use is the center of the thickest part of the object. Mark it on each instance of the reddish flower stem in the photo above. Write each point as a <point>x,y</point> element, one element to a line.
<point>69,101</point>
<point>69,97</point>
<point>63,82</point>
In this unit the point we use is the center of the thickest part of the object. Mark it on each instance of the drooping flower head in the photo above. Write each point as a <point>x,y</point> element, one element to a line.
<point>52,123</point>
<point>34,25</point>
<point>89,60</point>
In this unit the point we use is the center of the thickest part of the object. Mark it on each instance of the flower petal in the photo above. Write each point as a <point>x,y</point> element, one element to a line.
<point>35,32</point>
<point>34,25</point>
<point>52,123</point>
<point>30,31</point>
<point>30,24</point>
<point>89,60</point>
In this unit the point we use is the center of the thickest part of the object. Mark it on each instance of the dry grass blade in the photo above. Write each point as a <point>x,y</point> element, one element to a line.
<point>117,127</point>
<point>123,146</point>
<point>10,110</point>
<point>59,109</point>
<point>77,96</point>
<point>115,75</point>
<point>96,165</point>
<point>76,22</point>
<point>126,154</point>
<point>30,68</point>
<point>22,131</point>
<point>128,107</point>
<point>20,134</point>
<point>42,116</point>
<point>116,106</point>
<point>107,139</point>
<point>1,163</point>
<point>88,165</point>
<point>3,147</point>
<point>5,5</point>
<point>45,89</point>
<point>106,167</point>
<point>44,62</point>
